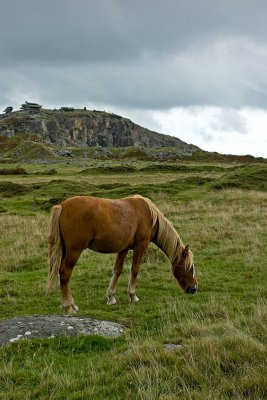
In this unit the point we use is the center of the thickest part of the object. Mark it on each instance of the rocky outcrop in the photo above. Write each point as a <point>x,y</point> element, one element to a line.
<point>31,107</point>
<point>51,326</point>
<point>8,110</point>
<point>84,128</point>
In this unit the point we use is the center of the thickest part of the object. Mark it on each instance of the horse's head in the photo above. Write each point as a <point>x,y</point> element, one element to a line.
<point>184,271</point>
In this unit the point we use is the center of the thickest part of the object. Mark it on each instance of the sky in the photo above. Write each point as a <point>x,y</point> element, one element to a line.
<point>188,68</point>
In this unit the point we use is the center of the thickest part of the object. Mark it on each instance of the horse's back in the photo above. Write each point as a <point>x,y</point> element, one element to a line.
<point>103,225</point>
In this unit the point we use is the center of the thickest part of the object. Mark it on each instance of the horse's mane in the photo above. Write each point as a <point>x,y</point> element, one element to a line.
<point>167,238</point>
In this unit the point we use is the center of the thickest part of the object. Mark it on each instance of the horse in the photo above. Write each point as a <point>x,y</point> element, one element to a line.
<point>113,226</point>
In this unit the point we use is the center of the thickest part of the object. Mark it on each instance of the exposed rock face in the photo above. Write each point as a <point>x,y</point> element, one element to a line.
<point>84,128</point>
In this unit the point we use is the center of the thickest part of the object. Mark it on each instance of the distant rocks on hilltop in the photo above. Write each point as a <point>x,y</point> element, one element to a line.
<point>8,110</point>
<point>31,107</point>
<point>84,128</point>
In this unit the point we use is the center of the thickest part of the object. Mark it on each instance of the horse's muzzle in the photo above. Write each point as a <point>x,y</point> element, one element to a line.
<point>191,290</point>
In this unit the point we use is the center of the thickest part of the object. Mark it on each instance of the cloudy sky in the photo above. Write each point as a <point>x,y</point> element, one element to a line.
<point>193,69</point>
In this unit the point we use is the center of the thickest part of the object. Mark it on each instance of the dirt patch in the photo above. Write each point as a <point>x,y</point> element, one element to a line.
<point>51,326</point>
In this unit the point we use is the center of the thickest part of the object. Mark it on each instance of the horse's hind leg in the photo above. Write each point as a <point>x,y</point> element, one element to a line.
<point>137,257</point>
<point>116,273</point>
<point>68,262</point>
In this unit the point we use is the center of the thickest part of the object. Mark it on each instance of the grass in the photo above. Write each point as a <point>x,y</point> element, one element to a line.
<point>222,329</point>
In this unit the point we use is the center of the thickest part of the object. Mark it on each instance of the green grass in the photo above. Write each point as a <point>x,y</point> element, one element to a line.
<point>251,177</point>
<point>220,210</point>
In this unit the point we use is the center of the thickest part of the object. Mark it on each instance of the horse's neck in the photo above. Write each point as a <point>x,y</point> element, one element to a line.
<point>167,239</point>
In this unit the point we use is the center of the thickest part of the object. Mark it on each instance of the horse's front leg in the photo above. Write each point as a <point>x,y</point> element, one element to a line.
<point>116,273</point>
<point>65,272</point>
<point>137,257</point>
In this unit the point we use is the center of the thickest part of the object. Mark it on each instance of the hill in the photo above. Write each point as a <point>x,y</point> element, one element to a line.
<point>28,134</point>
<point>85,128</point>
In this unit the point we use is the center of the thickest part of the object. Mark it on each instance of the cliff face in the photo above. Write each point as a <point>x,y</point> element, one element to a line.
<point>84,128</point>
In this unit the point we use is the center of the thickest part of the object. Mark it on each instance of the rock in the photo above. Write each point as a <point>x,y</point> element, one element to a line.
<point>85,128</point>
<point>67,109</point>
<point>167,347</point>
<point>8,110</point>
<point>64,153</point>
<point>8,133</point>
<point>172,346</point>
<point>31,107</point>
<point>51,326</point>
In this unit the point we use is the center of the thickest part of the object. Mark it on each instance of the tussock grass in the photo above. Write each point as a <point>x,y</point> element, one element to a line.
<point>13,171</point>
<point>31,151</point>
<point>185,167</point>
<point>10,189</point>
<point>221,330</point>
<point>109,169</point>
<point>246,177</point>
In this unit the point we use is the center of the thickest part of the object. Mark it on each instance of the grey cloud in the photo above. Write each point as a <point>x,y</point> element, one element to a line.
<point>149,54</point>
<point>60,31</point>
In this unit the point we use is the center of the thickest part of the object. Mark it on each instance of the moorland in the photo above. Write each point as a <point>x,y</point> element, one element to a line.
<point>218,207</point>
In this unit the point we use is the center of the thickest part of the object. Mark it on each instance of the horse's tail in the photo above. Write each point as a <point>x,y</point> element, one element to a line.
<point>55,247</point>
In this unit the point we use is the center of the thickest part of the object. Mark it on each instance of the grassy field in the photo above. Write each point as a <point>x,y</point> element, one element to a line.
<point>219,209</point>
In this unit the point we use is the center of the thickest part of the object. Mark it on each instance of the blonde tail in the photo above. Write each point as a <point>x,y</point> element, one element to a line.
<point>55,248</point>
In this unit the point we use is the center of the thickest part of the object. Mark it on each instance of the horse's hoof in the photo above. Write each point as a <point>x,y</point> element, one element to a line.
<point>111,301</point>
<point>70,309</point>
<point>134,299</point>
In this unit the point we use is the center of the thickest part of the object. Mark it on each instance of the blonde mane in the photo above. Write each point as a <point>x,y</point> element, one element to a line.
<point>167,238</point>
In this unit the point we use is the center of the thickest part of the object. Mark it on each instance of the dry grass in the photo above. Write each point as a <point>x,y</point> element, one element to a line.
<point>23,241</point>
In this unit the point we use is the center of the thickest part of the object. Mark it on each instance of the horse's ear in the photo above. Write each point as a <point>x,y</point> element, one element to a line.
<point>186,249</point>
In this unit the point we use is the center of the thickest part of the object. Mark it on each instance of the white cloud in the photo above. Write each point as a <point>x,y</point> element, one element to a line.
<point>227,131</point>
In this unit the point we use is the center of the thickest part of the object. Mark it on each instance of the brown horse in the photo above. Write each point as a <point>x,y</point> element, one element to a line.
<point>113,226</point>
